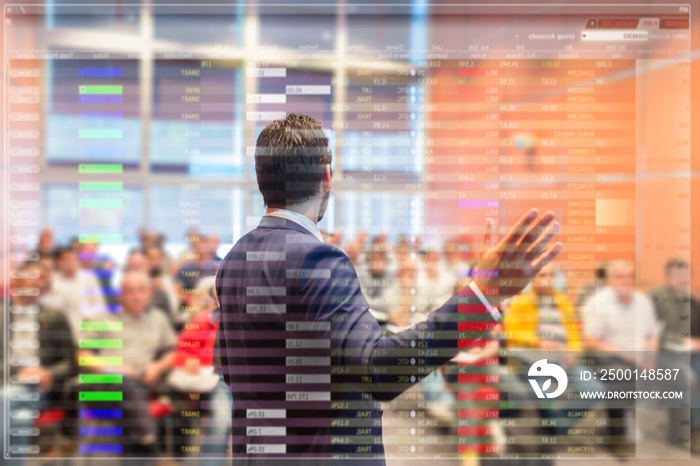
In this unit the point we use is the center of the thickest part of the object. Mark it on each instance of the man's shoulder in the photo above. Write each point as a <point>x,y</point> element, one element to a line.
<point>601,297</point>
<point>259,239</point>
<point>327,256</point>
<point>659,294</point>
<point>157,316</point>
<point>286,240</point>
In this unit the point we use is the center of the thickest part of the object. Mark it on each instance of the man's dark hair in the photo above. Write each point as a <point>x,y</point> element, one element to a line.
<point>601,272</point>
<point>675,264</point>
<point>289,160</point>
<point>61,250</point>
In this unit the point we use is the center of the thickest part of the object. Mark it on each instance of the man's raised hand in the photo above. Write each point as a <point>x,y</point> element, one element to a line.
<point>513,262</point>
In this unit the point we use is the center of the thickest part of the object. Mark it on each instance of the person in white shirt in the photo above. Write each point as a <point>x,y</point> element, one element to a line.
<point>619,318</point>
<point>621,329</point>
<point>78,290</point>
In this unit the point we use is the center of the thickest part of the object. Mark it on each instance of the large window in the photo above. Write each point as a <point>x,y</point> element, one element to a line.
<point>92,112</point>
<point>120,214</point>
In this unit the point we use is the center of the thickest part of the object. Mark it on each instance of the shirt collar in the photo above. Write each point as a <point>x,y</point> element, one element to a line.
<point>296,218</point>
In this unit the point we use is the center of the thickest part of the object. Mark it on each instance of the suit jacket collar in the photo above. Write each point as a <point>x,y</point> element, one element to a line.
<point>276,223</point>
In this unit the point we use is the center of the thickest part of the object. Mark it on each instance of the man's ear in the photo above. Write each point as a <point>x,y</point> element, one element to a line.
<point>326,182</point>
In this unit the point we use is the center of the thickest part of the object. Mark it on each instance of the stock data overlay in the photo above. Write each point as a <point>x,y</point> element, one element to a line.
<point>130,138</point>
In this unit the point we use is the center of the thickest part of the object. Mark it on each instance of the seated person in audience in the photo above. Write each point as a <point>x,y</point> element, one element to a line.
<point>147,237</point>
<point>159,271</point>
<point>212,250</point>
<point>195,370</point>
<point>79,291</point>
<point>41,356</point>
<point>353,249</point>
<point>585,292</point>
<point>621,331</point>
<point>439,281</point>
<point>458,257</point>
<point>46,241</point>
<point>48,298</point>
<point>148,341</point>
<point>137,262</point>
<point>679,312</point>
<point>336,239</point>
<point>406,297</point>
<point>98,264</point>
<point>677,309</point>
<point>542,318</point>
<point>620,319</point>
<point>376,282</point>
<point>199,263</point>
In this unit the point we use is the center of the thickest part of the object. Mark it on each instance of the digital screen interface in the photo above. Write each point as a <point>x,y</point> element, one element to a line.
<point>129,173</point>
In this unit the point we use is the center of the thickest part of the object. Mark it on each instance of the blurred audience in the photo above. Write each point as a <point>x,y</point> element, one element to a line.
<point>137,262</point>
<point>620,323</point>
<point>197,371</point>
<point>440,282</point>
<point>46,241</point>
<point>402,281</point>
<point>76,292</point>
<point>679,313</point>
<point>377,282</point>
<point>162,278</point>
<point>201,261</point>
<point>542,318</point>
<point>41,356</point>
<point>676,309</point>
<point>620,319</point>
<point>146,351</point>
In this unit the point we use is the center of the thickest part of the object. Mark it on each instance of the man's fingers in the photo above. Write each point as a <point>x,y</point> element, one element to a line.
<point>546,257</point>
<point>541,243</point>
<point>489,237</point>
<point>519,228</point>
<point>534,232</point>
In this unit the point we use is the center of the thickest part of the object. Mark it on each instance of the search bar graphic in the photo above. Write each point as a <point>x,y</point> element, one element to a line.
<point>614,35</point>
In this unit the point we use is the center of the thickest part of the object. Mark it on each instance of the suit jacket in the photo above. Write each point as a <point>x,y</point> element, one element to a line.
<point>306,362</point>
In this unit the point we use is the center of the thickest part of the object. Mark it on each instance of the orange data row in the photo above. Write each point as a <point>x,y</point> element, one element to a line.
<point>480,67</point>
<point>471,178</point>
<point>449,79</point>
<point>595,130</point>
<point>548,158</point>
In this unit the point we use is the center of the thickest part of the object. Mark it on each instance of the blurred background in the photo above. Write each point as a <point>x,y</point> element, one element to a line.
<point>129,134</point>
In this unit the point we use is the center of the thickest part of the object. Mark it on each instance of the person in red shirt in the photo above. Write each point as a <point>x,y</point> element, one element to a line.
<point>194,372</point>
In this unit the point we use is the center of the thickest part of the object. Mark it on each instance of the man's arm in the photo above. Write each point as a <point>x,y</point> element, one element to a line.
<point>369,359</point>
<point>167,342</point>
<point>153,371</point>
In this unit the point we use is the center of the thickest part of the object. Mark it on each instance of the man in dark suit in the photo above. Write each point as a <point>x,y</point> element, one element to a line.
<point>306,362</point>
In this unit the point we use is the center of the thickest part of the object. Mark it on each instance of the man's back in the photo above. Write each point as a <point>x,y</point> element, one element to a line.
<point>305,360</point>
<point>276,287</point>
